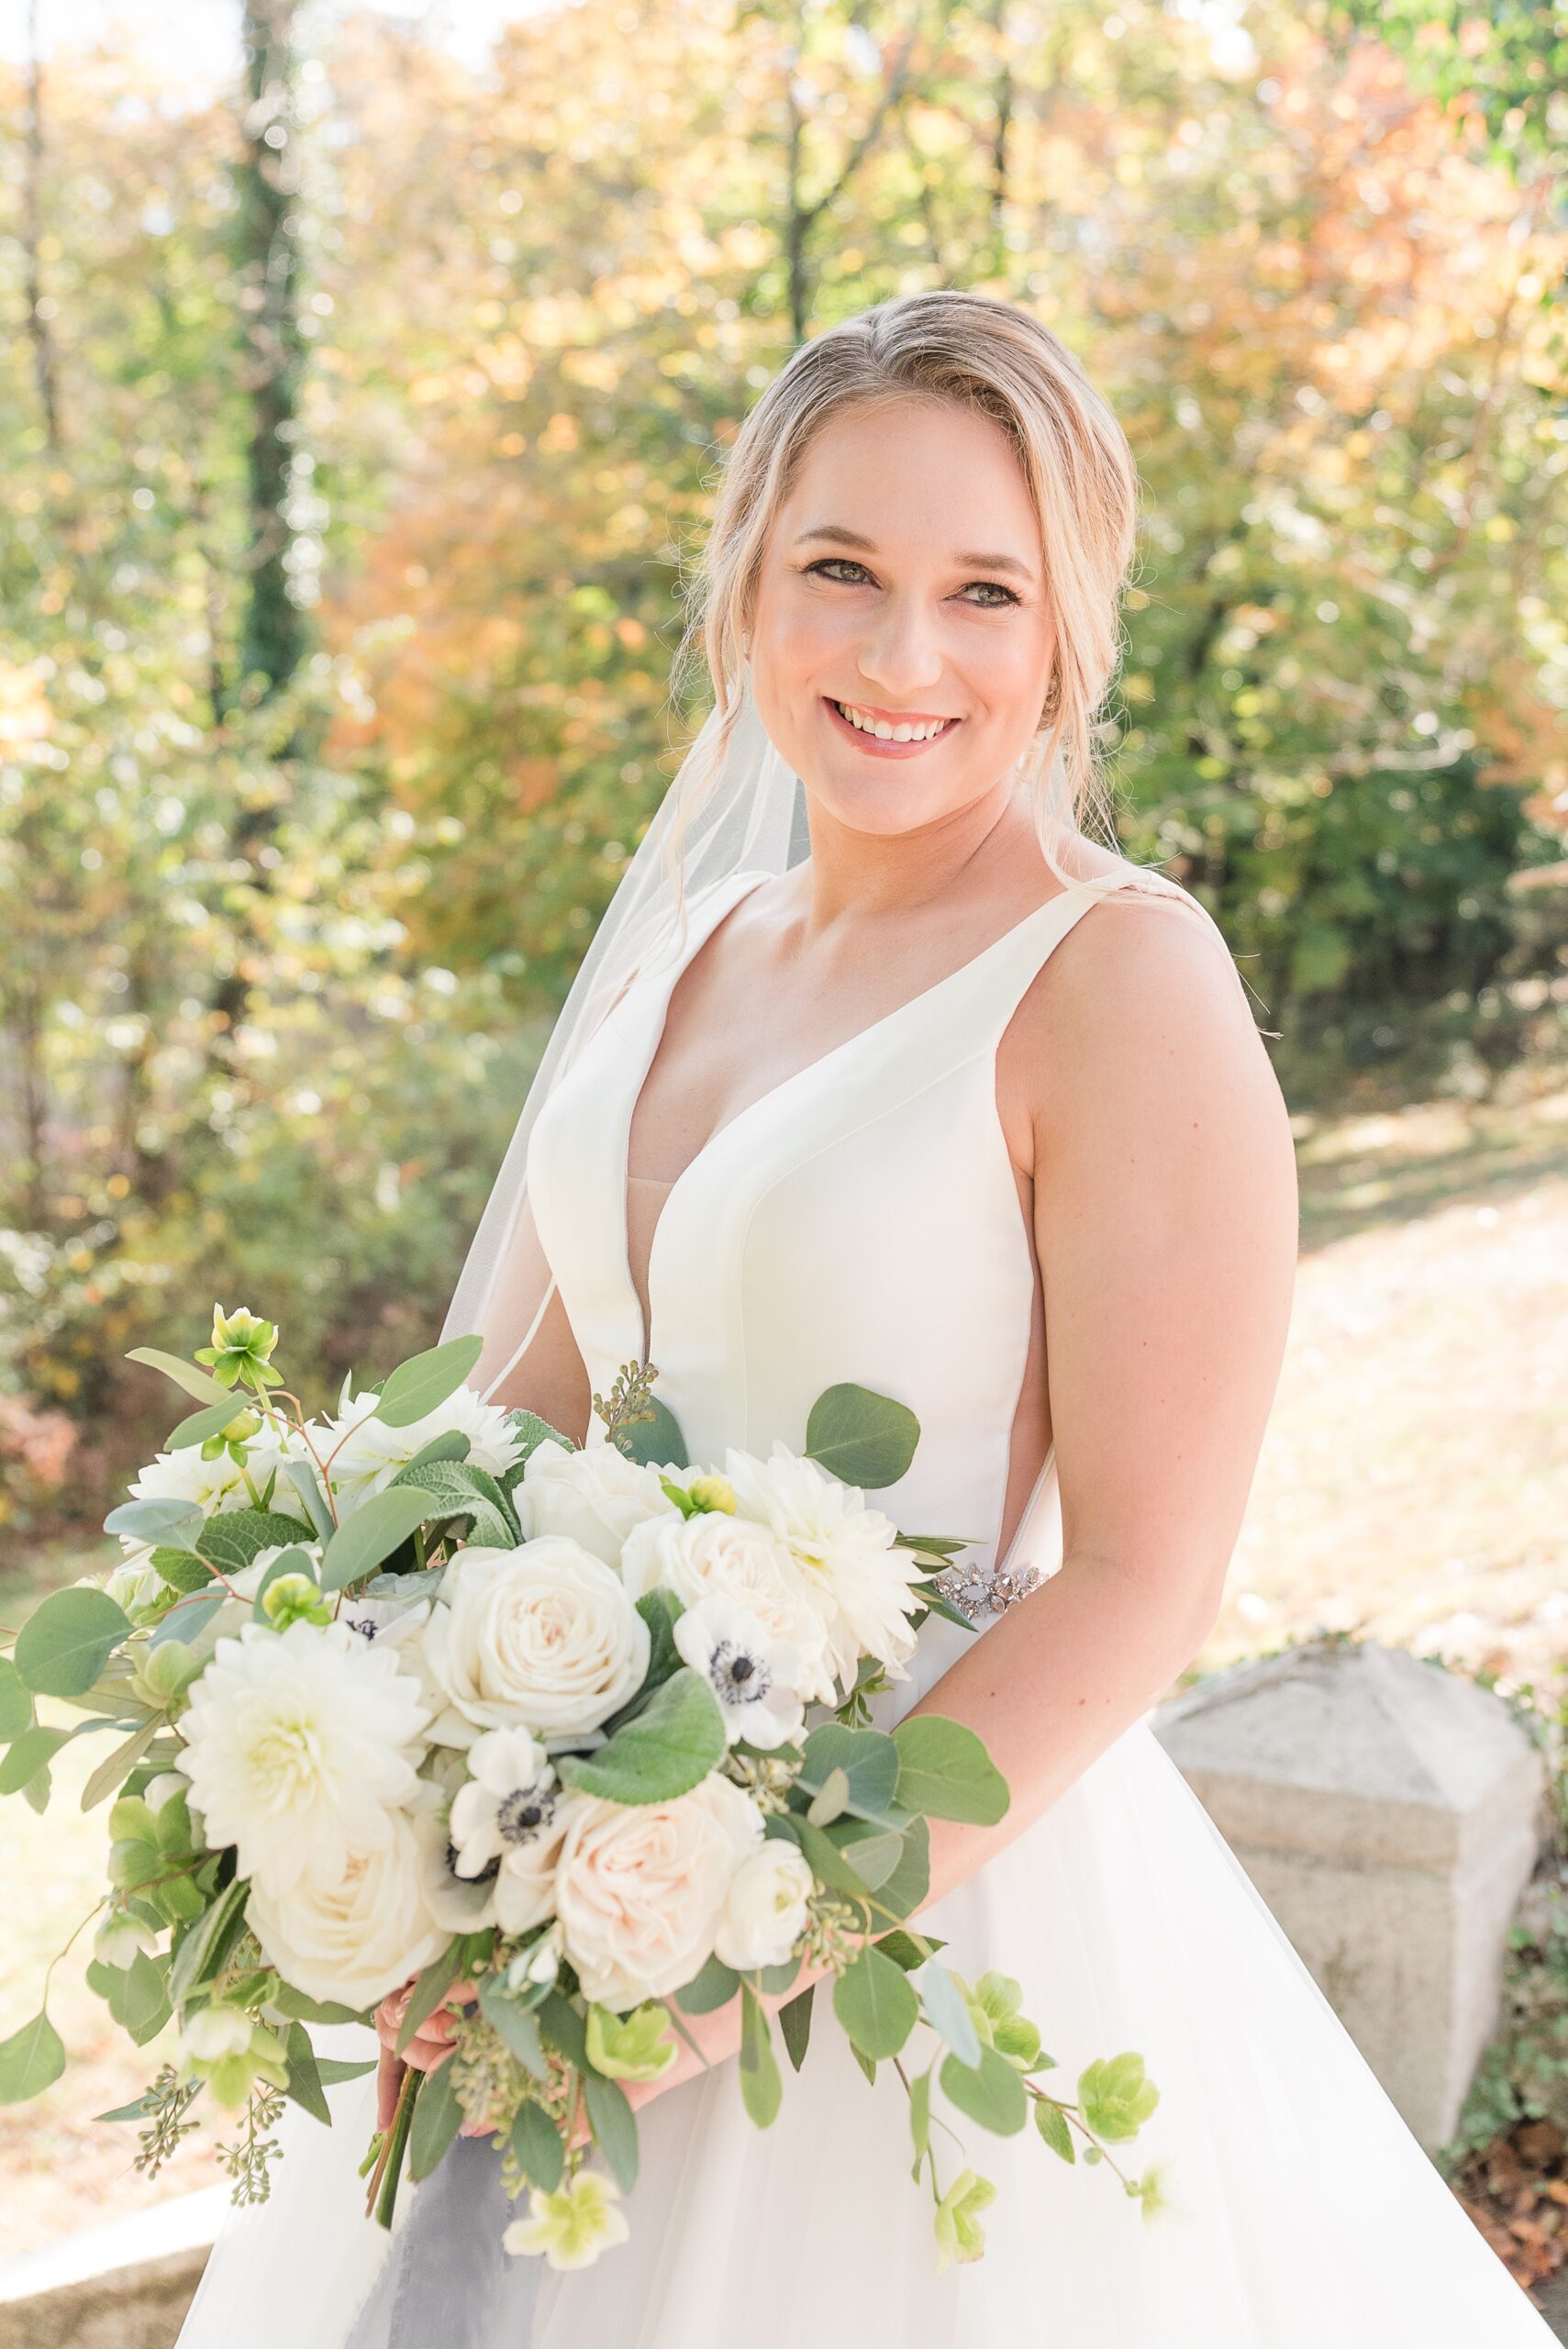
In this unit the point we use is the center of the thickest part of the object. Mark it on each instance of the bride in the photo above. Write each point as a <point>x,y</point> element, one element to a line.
<point>882,1069</point>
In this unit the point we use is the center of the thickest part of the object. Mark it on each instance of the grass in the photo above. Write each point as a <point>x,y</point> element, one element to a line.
<point>1413,1487</point>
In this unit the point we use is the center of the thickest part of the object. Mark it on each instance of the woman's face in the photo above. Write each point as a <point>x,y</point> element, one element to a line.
<point>904,583</point>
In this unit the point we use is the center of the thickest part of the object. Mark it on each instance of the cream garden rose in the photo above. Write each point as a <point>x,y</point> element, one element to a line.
<point>355,1932</point>
<point>639,1888</point>
<point>594,1497</point>
<point>542,1637</point>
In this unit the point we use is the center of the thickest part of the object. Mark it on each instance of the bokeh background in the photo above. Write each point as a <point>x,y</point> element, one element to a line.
<point>365,382</point>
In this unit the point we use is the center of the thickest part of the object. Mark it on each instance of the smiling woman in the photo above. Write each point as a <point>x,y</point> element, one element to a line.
<point>937,1107</point>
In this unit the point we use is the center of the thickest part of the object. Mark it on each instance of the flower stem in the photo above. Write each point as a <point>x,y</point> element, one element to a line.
<point>381,2198</point>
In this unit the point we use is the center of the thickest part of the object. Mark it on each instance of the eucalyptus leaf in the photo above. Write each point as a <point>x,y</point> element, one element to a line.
<point>564,2030</point>
<point>613,2125</point>
<point>68,1639</point>
<point>794,2026</point>
<point>945,1772</point>
<point>421,1385</point>
<point>429,1991</point>
<point>867,1758</point>
<point>655,1443</point>
<point>874,2002</point>
<point>184,1374</point>
<point>211,1422</point>
<point>706,1991</point>
<point>828,1862</point>
<point>307,1484</point>
<point>16,1703</point>
<point>453,1445</point>
<point>863,1437</point>
<point>514,2024</point>
<point>762,2089</point>
<point>31,2060</point>
<point>537,2146</point>
<point>119,1765</point>
<point>920,2120</point>
<point>304,2077</point>
<point>946,2011</point>
<point>664,1751</point>
<point>902,1892</point>
<point>175,1523</point>
<point>188,1617</point>
<point>376,1528</point>
<point>990,2092</point>
<point>437,2117</point>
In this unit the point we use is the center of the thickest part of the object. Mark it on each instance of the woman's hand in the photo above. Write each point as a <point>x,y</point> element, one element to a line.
<point>430,2046</point>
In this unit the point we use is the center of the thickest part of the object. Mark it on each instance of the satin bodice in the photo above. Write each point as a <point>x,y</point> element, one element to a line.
<point>859,1220</point>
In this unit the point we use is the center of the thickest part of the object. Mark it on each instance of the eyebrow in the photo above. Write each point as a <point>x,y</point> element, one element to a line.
<point>843,537</point>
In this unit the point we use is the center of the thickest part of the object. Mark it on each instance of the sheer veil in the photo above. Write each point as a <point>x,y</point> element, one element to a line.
<point>733,806</point>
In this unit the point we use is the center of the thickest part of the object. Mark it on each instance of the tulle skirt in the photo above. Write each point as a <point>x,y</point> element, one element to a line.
<point>1302,2214</point>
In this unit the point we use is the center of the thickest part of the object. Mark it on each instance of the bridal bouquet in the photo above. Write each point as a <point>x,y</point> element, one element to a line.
<point>570,1742</point>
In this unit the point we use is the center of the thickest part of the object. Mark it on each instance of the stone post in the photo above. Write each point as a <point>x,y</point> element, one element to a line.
<point>1390,1814</point>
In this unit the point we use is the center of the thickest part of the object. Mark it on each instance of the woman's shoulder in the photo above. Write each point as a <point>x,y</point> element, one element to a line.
<point>1142,984</point>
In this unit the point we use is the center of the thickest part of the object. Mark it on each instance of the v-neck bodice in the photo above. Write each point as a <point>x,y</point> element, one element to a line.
<point>858,1221</point>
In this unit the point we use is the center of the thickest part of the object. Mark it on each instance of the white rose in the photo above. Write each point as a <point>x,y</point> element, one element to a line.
<point>542,1637</point>
<point>594,1497</point>
<point>367,1453</point>
<point>300,1745</point>
<point>857,1580</point>
<point>353,1932</point>
<point>713,1556</point>
<point>640,1888</point>
<point>764,1914</point>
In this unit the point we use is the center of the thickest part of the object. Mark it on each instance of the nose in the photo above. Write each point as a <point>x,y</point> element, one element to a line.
<point>899,653</point>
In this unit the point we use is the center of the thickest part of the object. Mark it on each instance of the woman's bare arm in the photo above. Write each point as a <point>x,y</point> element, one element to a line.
<point>1165,1220</point>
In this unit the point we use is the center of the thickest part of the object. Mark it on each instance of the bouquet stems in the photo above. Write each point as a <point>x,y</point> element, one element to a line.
<point>381,2198</point>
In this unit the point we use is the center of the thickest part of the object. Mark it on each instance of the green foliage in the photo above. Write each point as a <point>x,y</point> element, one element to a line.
<point>945,1771</point>
<point>862,1438</point>
<point>664,1750</point>
<point>68,1639</point>
<point>873,2000</point>
<point>1116,2097</point>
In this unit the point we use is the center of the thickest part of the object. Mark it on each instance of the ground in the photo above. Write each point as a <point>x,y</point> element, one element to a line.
<point>1413,1487</point>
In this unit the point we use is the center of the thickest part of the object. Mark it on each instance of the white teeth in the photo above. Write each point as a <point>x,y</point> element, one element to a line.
<point>884,732</point>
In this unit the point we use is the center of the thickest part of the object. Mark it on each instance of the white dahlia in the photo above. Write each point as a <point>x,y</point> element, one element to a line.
<point>371,1452</point>
<point>301,1746</point>
<point>859,1582</point>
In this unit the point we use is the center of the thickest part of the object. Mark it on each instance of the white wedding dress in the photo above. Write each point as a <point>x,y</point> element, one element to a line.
<point>861,1221</point>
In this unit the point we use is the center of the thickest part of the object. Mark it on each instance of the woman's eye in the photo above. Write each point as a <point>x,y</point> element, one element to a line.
<point>835,563</point>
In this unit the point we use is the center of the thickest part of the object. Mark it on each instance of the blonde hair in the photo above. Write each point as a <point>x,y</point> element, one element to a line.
<point>999,361</point>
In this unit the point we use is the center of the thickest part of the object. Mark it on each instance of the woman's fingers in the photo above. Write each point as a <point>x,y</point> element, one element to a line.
<point>388,2083</point>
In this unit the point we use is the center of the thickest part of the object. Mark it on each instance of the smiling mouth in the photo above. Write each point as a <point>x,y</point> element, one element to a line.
<point>879,729</point>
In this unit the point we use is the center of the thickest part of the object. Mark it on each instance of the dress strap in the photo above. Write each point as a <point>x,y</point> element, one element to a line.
<point>1007,971</point>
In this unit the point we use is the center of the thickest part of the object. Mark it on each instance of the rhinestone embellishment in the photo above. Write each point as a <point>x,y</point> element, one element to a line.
<point>980,1592</point>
